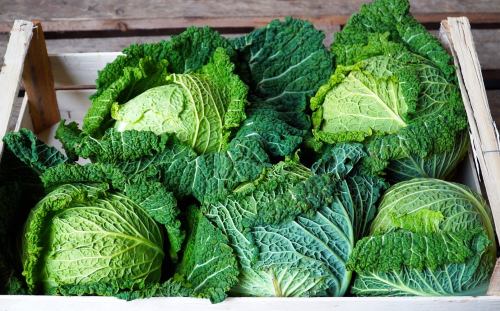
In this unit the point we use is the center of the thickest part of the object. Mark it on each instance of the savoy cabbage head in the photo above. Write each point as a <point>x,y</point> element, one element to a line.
<point>79,234</point>
<point>396,95</point>
<point>283,64</point>
<point>200,108</point>
<point>429,238</point>
<point>293,229</point>
<point>103,230</point>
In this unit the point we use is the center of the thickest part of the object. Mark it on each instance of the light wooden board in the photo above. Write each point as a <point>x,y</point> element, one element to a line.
<point>12,70</point>
<point>42,303</point>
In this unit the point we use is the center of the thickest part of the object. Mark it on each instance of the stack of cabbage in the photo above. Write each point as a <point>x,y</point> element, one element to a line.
<point>254,167</point>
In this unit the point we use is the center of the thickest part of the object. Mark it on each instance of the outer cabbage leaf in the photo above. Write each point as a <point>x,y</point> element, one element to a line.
<point>339,159</point>
<point>268,199</point>
<point>132,81</point>
<point>394,251</point>
<point>186,52</point>
<point>392,17</point>
<point>466,279</point>
<point>161,205</point>
<point>316,246</point>
<point>113,147</point>
<point>437,165</point>
<point>269,127</point>
<point>127,290</point>
<point>208,267</point>
<point>283,63</point>
<point>169,288</point>
<point>365,191</point>
<point>88,173</point>
<point>31,151</point>
<point>121,240</point>
<point>208,175</point>
<point>24,158</point>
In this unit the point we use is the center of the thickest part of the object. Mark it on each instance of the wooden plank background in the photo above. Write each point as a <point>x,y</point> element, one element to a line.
<point>109,26</point>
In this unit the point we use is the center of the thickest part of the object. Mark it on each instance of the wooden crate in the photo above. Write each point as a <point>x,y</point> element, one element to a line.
<point>58,86</point>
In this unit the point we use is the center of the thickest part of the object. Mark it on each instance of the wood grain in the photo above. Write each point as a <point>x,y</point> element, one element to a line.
<point>234,22</point>
<point>96,9</point>
<point>87,15</point>
<point>39,83</point>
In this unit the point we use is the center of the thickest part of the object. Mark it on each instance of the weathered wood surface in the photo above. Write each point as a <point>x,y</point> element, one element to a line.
<point>122,15</point>
<point>125,17</point>
<point>216,8</point>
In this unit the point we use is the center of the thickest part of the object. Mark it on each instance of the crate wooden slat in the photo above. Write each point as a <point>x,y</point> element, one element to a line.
<point>78,70</point>
<point>74,76</point>
<point>39,83</point>
<point>12,71</point>
<point>484,134</point>
<point>483,303</point>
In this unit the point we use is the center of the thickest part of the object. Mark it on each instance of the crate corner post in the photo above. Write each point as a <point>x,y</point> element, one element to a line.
<point>38,82</point>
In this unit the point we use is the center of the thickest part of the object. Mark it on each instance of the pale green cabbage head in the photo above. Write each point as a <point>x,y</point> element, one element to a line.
<point>199,108</point>
<point>430,238</point>
<point>80,235</point>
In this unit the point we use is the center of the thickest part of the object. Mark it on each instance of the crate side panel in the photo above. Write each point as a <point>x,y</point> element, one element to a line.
<point>73,104</point>
<point>78,70</point>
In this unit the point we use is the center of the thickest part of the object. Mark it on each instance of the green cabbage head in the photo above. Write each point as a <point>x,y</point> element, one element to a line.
<point>199,108</point>
<point>430,238</point>
<point>82,234</point>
